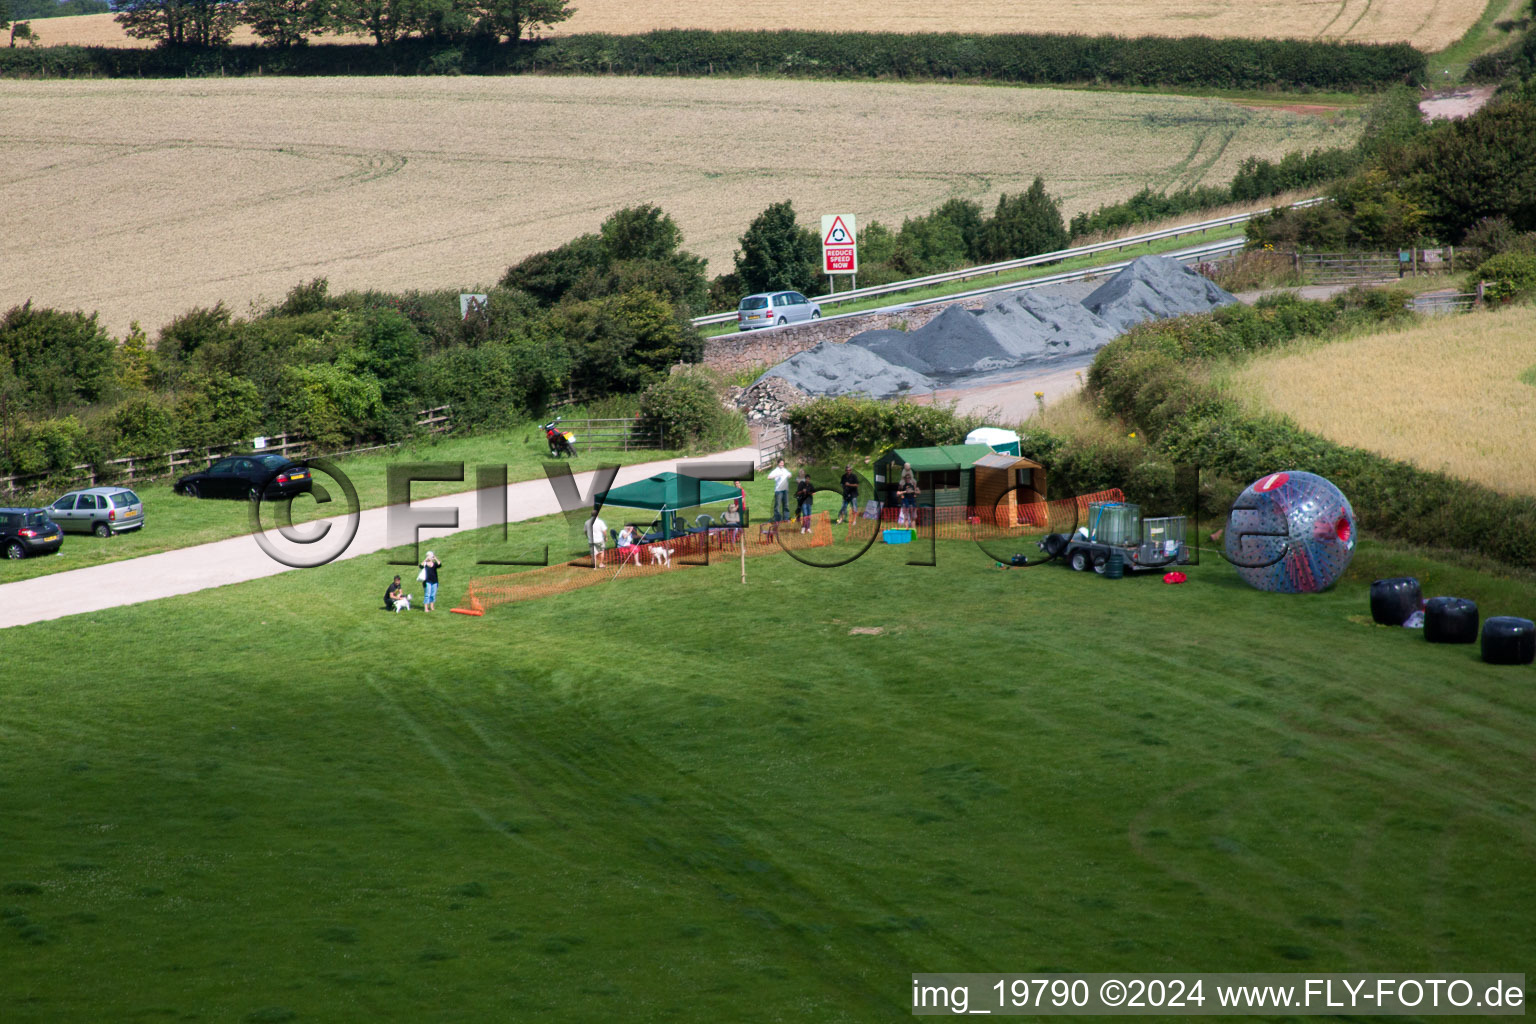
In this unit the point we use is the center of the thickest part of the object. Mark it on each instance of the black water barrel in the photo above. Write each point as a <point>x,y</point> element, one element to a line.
<point>1392,601</point>
<point>1509,641</point>
<point>1450,620</point>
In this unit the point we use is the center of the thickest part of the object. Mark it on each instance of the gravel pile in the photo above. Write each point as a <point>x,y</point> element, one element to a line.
<point>1152,288</point>
<point>1024,327</point>
<point>846,369</point>
<point>768,399</point>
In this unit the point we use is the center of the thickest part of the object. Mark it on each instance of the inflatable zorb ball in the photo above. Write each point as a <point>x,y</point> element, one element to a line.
<point>1291,533</point>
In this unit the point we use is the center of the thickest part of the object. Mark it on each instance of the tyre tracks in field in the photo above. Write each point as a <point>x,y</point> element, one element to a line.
<point>745,862</point>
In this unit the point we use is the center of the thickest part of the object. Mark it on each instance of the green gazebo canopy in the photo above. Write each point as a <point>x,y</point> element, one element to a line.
<point>669,492</point>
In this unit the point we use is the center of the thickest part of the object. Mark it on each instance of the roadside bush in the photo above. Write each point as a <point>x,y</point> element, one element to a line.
<point>496,384</point>
<point>327,404</point>
<point>144,425</point>
<point>686,410</point>
<point>47,446</point>
<point>622,342</point>
<point>1509,275</point>
<point>216,407</point>
<point>836,426</point>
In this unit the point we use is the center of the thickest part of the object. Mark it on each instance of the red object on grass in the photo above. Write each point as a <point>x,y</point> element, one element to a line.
<point>1175,577</point>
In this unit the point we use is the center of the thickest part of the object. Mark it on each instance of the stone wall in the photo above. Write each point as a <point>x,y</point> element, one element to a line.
<point>732,352</point>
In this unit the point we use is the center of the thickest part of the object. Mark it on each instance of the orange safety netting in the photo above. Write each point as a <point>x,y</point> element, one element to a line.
<point>725,545</point>
<point>719,545</point>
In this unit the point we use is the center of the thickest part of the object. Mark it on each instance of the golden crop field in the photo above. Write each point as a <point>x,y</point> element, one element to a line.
<point>1445,396</point>
<point>1428,24</point>
<point>144,198</point>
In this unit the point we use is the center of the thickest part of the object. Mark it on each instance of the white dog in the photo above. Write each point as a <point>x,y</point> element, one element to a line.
<point>403,605</point>
<point>661,556</point>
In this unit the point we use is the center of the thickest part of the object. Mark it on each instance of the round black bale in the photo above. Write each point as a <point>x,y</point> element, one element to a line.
<point>1509,641</point>
<point>1392,601</point>
<point>1450,620</point>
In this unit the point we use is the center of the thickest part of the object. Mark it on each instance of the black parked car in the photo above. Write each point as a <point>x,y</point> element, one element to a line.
<point>28,531</point>
<point>246,476</point>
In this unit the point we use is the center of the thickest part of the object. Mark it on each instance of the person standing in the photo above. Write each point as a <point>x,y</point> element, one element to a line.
<point>850,507</point>
<point>597,537</point>
<point>907,492</point>
<point>780,477</point>
<point>429,579</point>
<point>805,493</point>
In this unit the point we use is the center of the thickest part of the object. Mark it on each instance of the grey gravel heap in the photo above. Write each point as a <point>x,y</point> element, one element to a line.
<point>1153,288</point>
<point>1034,325</point>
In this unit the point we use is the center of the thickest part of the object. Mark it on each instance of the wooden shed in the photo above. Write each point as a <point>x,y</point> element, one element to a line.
<point>1003,483</point>
<point>944,475</point>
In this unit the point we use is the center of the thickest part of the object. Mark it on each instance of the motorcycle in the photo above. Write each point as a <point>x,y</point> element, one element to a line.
<point>561,442</point>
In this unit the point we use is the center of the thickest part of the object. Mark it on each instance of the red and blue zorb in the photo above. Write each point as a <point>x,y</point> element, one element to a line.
<point>1291,533</point>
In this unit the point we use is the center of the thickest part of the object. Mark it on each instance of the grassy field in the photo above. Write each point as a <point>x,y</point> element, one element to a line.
<point>685,799</point>
<point>1446,395</point>
<point>1428,24</point>
<point>173,521</point>
<point>429,183</point>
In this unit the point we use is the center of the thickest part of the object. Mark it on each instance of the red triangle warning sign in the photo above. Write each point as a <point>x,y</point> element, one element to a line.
<point>838,233</point>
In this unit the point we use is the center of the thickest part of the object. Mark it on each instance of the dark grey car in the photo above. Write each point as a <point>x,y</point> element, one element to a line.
<point>99,510</point>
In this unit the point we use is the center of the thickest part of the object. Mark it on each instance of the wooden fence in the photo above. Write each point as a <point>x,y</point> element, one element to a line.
<point>775,441</point>
<point>141,468</point>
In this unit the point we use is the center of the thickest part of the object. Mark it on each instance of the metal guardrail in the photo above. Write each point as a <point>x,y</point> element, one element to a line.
<point>1027,261</point>
<point>1194,254</point>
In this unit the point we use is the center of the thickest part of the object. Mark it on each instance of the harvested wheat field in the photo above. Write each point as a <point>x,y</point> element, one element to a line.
<point>144,198</point>
<point>1444,396</point>
<point>1428,24</point>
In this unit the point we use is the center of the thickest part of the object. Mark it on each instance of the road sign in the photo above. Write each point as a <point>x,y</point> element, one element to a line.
<point>839,244</point>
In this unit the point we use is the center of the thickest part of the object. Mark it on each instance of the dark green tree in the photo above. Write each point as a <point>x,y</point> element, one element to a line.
<point>966,216</point>
<point>178,22</point>
<point>385,20</point>
<point>776,253</point>
<point>61,359</point>
<point>1026,224</point>
<point>928,245</point>
<point>1482,166</point>
<point>284,23</point>
<point>514,19</point>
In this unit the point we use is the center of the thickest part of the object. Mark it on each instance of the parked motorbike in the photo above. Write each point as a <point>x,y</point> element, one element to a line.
<point>561,442</point>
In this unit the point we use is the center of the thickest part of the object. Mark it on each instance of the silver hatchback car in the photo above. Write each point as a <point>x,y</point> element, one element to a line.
<point>773,309</point>
<point>99,510</point>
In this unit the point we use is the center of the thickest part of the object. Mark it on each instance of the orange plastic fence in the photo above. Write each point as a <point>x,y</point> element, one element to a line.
<point>717,546</point>
<point>724,545</point>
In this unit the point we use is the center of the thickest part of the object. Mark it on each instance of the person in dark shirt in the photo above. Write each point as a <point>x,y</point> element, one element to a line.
<point>430,567</point>
<point>804,493</point>
<point>850,507</point>
<point>392,593</point>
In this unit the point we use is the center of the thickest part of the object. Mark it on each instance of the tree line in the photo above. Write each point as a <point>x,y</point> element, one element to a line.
<point>461,36</point>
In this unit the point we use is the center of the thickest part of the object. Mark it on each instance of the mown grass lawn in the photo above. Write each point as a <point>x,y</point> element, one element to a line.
<point>682,798</point>
<point>175,521</point>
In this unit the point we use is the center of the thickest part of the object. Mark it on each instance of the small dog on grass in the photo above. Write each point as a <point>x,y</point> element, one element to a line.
<point>403,604</point>
<point>661,556</point>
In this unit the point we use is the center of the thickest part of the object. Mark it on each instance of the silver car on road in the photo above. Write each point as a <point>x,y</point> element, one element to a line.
<point>772,309</point>
<point>99,510</point>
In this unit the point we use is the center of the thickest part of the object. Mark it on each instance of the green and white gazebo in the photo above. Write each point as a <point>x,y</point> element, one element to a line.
<point>668,494</point>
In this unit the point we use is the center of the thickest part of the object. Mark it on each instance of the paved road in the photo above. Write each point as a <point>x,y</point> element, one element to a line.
<point>239,559</point>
